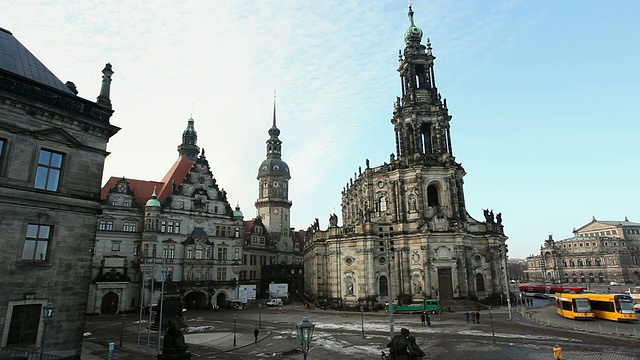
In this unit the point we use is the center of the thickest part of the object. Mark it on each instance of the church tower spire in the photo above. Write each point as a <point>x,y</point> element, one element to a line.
<point>273,203</point>
<point>421,118</point>
<point>189,144</point>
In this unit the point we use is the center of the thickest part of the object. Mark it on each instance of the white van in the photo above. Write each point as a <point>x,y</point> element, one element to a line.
<point>275,302</point>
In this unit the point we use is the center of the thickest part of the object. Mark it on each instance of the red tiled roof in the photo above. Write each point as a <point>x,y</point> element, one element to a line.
<point>143,189</point>
<point>176,175</point>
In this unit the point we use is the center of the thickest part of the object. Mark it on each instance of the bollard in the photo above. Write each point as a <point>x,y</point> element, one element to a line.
<point>112,346</point>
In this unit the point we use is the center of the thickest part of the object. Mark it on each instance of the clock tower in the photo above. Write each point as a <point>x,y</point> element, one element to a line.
<point>273,203</point>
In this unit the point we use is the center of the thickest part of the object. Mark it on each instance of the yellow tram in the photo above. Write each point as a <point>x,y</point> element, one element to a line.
<point>615,307</point>
<point>574,306</point>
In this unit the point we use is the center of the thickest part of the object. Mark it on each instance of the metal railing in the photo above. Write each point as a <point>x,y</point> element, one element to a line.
<point>17,354</point>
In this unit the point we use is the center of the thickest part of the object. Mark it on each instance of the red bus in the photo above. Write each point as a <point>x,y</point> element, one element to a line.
<point>551,289</point>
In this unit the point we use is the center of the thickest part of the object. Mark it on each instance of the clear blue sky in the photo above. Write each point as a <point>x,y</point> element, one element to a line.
<point>543,95</point>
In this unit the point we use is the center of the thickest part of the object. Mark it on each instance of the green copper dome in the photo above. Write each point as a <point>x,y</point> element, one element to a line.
<point>153,202</point>
<point>237,212</point>
<point>413,33</point>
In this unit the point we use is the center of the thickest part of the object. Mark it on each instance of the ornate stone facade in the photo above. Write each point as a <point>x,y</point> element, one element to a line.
<point>185,225</point>
<point>52,151</point>
<point>599,252</point>
<point>414,206</point>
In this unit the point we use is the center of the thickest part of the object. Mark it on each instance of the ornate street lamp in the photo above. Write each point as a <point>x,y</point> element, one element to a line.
<point>46,314</point>
<point>235,317</point>
<point>305,334</point>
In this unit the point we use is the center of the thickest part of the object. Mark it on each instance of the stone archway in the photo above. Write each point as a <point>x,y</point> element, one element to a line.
<point>110,302</point>
<point>196,300</point>
<point>220,300</point>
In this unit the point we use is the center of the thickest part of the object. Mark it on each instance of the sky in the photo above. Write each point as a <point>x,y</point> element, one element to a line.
<point>543,95</point>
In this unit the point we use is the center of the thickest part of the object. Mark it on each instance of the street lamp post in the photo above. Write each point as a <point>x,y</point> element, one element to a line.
<point>362,318</point>
<point>121,329</point>
<point>493,334</point>
<point>259,315</point>
<point>235,317</point>
<point>46,314</point>
<point>305,334</point>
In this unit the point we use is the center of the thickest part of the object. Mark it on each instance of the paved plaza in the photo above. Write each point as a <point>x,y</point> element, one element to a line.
<point>210,335</point>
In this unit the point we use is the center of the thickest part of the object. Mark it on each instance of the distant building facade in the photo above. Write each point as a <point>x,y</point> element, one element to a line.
<point>404,222</point>
<point>53,145</point>
<point>599,252</point>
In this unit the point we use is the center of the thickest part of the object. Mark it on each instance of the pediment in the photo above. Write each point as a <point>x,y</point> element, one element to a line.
<point>59,135</point>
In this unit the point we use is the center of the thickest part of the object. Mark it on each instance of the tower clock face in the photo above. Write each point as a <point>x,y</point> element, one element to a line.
<point>276,211</point>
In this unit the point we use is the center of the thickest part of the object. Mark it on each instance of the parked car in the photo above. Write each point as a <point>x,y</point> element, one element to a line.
<point>540,296</point>
<point>613,283</point>
<point>275,302</point>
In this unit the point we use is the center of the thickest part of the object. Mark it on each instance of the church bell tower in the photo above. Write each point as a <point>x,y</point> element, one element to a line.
<point>273,203</point>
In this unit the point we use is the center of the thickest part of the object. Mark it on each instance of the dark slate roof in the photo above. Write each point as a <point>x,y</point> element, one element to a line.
<point>16,59</point>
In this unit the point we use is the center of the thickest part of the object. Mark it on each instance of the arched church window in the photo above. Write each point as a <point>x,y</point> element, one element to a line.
<point>382,283</point>
<point>433,196</point>
<point>479,282</point>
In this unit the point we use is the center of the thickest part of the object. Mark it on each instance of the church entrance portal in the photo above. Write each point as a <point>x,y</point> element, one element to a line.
<point>109,304</point>
<point>444,284</point>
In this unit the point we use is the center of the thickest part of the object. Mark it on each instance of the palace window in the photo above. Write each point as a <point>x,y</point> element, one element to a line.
<point>106,225</point>
<point>126,203</point>
<point>222,253</point>
<point>199,252</point>
<point>252,260</point>
<point>222,274</point>
<point>115,246</point>
<point>169,251</point>
<point>114,202</point>
<point>36,243</point>
<point>49,170</point>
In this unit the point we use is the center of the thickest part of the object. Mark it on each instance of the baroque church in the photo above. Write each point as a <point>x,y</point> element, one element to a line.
<point>406,234</point>
<point>184,231</point>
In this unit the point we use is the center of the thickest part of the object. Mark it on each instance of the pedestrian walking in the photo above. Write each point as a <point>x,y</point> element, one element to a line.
<point>557,352</point>
<point>256,331</point>
<point>467,316</point>
<point>428,319</point>
<point>478,316</point>
<point>423,318</point>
